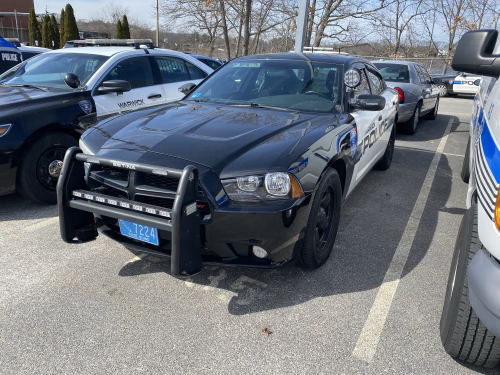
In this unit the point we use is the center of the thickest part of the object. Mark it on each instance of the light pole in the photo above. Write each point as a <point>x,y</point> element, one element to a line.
<point>301,26</point>
<point>157,26</point>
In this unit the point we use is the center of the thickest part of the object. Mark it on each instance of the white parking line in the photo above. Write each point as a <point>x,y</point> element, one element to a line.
<point>370,335</point>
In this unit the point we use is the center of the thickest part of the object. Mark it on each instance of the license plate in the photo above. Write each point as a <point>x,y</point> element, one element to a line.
<point>139,232</point>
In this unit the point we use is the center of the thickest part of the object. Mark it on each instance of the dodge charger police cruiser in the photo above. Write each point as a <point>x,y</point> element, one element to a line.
<point>48,101</point>
<point>470,321</point>
<point>250,169</point>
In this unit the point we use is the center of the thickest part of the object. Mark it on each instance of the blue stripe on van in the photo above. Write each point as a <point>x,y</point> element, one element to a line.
<point>491,152</point>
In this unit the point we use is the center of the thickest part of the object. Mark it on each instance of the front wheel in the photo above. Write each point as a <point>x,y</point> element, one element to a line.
<point>323,221</point>
<point>40,167</point>
<point>463,335</point>
<point>443,90</point>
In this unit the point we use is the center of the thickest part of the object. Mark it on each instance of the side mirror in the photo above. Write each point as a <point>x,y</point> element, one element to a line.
<point>368,102</point>
<point>436,80</point>
<point>71,80</point>
<point>477,82</point>
<point>116,85</point>
<point>474,54</point>
<point>187,88</point>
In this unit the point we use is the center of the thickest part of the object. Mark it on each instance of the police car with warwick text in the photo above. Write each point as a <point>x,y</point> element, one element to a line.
<point>251,168</point>
<point>48,101</point>
<point>470,322</point>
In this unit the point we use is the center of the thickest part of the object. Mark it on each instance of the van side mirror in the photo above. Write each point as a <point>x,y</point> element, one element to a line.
<point>187,88</point>
<point>369,102</point>
<point>116,85</point>
<point>474,54</point>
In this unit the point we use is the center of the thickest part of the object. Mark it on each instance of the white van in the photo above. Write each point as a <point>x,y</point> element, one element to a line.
<point>470,321</point>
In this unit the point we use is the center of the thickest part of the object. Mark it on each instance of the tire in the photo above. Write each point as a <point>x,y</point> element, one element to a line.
<point>410,126</point>
<point>463,335</point>
<point>384,163</point>
<point>443,90</point>
<point>452,94</point>
<point>323,221</point>
<point>434,113</point>
<point>39,168</point>
<point>465,174</point>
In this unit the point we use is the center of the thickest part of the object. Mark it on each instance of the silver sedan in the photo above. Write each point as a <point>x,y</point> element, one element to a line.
<point>418,93</point>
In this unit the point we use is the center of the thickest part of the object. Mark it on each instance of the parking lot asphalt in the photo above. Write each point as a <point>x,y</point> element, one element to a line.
<point>96,308</point>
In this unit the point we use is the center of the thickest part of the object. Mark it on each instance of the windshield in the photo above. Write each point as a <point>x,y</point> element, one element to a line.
<point>300,85</point>
<point>48,69</point>
<point>393,72</point>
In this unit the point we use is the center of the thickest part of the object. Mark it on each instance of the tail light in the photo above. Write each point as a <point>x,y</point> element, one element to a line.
<point>401,94</point>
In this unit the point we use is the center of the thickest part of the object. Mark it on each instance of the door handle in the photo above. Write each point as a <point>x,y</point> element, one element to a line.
<point>380,118</point>
<point>154,96</point>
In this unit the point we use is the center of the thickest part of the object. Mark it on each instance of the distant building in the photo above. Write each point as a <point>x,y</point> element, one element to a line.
<point>9,28</point>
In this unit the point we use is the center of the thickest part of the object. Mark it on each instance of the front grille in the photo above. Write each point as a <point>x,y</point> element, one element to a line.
<point>115,172</point>
<point>111,191</point>
<point>155,201</point>
<point>156,180</point>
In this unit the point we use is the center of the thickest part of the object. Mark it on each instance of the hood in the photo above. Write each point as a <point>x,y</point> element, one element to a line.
<point>215,136</point>
<point>15,95</point>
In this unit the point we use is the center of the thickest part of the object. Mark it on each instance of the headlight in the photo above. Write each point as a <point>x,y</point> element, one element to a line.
<point>4,129</point>
<point>257,188</point>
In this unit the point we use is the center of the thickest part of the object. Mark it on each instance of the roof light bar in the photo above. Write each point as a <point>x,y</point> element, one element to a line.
<point>128,204</point>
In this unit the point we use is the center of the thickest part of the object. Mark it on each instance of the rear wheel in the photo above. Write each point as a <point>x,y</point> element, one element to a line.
<point>463,335</point>
<point>40,167</point>
<point>323,221</point>
<point>410,126</point>
<point>433,114</point>
<point>465,174</point>
<point>386,160</point>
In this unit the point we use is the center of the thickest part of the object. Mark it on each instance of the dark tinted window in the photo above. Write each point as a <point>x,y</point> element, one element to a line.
<point>376,82</point>
<point>211,63</point>
<point>27,55</point>
<point>172,69</point>
<point>136,71</point>
<point>393,72</point>
<point>194,72</point>
<point>425,78</point>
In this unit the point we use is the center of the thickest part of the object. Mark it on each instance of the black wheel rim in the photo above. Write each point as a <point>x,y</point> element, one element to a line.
<point>324,221</point>
<point>48,167</point>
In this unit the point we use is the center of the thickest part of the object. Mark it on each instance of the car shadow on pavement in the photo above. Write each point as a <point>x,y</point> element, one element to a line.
<point>16,207</point>
<point>372,223</point>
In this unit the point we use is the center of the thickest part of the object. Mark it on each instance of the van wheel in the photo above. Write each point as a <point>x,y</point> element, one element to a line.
<point>410,126</point>
<point>384,163</point>
<point>465,174</point>
<point>463,335</point>
<point>323,221</point>
<point>40,167</point>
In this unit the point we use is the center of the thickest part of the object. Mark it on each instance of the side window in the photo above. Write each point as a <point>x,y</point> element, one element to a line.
<point>421,74</point>
<point>194,72</point>
<point>136,71</point>
<point>376,81</point>
<point>172,69</point>
<point>363,87</point>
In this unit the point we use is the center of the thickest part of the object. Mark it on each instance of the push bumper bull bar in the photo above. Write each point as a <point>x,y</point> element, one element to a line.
<point>77,206</point>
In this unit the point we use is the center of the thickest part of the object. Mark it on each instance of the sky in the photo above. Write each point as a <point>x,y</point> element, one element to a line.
<point>86,9</point>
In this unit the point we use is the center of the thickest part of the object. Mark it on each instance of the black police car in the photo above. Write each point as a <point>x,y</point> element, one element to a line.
<point>250,168</point>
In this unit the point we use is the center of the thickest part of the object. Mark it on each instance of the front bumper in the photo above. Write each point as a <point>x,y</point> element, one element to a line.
<point>224,235</point>
<point>483,275</point>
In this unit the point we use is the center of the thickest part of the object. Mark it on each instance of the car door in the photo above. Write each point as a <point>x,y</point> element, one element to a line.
<point>426,86</point>
<point>176,72</point>
<point>367,132</point>
<point>378,88</point>
<point>144,92</point>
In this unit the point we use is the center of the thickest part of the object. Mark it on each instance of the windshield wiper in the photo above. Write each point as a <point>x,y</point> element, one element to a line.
<point>29,87</point>
<point>257,105</point>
